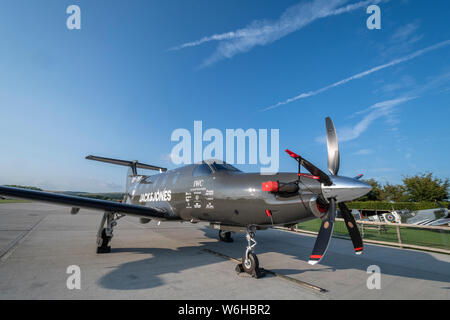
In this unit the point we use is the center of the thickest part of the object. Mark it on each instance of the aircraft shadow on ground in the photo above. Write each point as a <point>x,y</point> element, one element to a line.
<point>147,273</point>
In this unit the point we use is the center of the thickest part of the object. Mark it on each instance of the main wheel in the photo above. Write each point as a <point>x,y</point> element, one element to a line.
<point>250,264</point>
<point>225,236</point>
<point>104,246</point>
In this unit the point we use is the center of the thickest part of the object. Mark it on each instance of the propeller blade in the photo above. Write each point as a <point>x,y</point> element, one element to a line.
<point>332,147</point>
<point>352,228</point>
<point>323,177</point>
<point>324,236</point>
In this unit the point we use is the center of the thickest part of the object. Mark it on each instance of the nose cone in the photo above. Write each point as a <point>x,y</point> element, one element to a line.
<point>345,189</point>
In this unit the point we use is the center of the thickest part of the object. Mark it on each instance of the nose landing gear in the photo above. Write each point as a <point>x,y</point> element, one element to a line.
<point>250,263</point>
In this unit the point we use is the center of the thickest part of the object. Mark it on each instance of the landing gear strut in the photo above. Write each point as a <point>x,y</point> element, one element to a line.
<point>105,235</point>
<point>250,263</point>
<point>225,236</point>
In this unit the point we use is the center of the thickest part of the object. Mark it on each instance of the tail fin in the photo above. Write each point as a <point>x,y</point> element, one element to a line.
<point>131,178</point>
<point>132,172</point>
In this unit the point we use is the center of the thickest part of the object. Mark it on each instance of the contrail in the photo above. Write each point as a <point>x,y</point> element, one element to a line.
<point>362,74</point>
<point>253,32</point>
<point>263,32</point>
<point>215,37</point>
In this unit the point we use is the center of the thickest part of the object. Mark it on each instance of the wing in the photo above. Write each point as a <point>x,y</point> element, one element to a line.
<point>81,202</point>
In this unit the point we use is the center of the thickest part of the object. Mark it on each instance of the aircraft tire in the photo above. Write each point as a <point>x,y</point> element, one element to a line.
<point>252,265</point>
<point>104,247</point>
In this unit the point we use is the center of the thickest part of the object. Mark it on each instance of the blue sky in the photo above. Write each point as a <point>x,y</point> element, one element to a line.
<point>120,86</point>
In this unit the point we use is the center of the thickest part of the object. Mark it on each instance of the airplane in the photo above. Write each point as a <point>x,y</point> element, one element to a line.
<point>425,217</point>
<point>430,217</point>
<point>230,200</point>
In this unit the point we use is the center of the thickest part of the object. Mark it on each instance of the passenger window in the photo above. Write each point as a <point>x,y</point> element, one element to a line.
<point>201,170</point>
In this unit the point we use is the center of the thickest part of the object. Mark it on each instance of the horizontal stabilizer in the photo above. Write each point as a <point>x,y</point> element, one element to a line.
<point>133,164</point>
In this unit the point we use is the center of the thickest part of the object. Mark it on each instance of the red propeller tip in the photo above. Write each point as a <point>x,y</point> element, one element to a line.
<point>292,154</point>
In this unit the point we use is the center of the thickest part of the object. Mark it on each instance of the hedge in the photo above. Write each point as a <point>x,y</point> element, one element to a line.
<point>385,205</point>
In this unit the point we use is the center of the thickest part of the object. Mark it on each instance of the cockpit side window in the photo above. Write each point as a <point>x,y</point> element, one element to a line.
<point>201,170</point>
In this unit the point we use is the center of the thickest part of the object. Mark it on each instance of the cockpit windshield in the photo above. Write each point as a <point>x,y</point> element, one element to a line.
<point>224,167</point>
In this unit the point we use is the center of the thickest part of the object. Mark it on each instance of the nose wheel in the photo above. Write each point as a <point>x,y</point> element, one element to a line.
<point>250,263</point>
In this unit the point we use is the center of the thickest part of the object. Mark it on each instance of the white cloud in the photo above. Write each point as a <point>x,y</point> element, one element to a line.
<point>405,81</point>
<point>167,157</point>
<point>404,33</point>
<point>402,40</point>
<point>374,112</point>
<point>378,110</point>
<point>361,74</point>
<point>263,32</point>
<point>363,152</point>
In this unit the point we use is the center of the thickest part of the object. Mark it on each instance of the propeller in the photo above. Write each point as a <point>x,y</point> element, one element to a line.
<point>326,229</point>
<point>335,190</point>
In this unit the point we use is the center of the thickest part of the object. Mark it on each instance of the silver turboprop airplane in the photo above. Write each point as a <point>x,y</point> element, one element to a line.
<point>230,200</point>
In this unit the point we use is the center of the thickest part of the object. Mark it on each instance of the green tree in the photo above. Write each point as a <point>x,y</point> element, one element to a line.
<point>23,187</point>
<point>392,192</point>
<point>375,193</point>
<point>425,187</point>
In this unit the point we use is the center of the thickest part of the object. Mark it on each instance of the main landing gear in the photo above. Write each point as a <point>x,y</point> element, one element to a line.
<point>250,263</point>
<point>225,236</point>
<point>105,234</point>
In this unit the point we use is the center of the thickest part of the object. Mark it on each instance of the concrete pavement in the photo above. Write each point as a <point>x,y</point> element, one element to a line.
<point>39,241</point>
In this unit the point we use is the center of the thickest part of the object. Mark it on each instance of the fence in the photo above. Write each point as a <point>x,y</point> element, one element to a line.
<point>429,238</point>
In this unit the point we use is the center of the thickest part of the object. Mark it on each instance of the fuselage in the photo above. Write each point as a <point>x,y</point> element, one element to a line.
<point>199,192</point>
